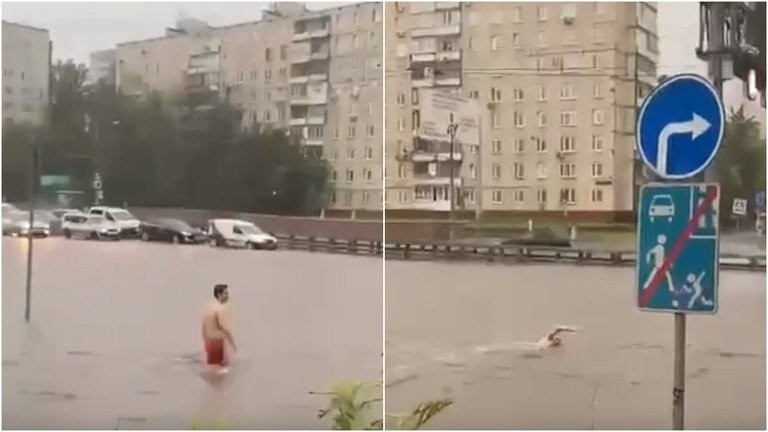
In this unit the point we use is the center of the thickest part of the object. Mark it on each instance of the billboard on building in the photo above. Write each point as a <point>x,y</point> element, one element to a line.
<point>436,108</point>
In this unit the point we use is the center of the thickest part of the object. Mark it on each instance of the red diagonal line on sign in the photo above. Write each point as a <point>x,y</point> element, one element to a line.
<point>648,294</point>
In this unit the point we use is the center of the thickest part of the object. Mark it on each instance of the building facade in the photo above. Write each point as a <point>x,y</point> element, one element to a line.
<point>26,73</point>
<point>317,74</point>
<point>101,67</point>
<point>557,86</point>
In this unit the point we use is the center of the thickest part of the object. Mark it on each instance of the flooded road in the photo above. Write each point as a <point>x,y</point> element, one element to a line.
<point>464,330</point>
<point>114,340</point>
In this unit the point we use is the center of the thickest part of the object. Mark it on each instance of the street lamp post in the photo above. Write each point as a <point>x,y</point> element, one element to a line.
<point>452,128</point>
<point>31,199</point>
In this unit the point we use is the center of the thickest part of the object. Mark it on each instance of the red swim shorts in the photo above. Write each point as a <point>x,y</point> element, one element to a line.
<point>214,352</point>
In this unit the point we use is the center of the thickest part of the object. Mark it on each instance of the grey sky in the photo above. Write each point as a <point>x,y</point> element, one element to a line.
<point>77,29</point>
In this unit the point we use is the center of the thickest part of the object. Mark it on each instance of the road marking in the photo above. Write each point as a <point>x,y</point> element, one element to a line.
<point>648,294</point>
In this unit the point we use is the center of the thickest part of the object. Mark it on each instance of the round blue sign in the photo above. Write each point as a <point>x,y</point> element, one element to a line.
<point>680,127</point>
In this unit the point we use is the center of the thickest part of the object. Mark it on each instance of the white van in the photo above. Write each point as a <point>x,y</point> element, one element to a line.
<point>128,223</point>
<point>239,233</point>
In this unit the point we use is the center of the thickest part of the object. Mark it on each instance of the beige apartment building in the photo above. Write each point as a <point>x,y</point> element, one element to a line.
<point>317,74</point>
<point>556,84</point>
<point>26,72</point>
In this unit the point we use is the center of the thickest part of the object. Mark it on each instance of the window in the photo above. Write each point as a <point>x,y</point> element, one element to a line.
<point>267,76</point>
<point>8,90</point>
<point>597,91</point>
<point>495,42</point>
<point>519,195</point>
<point>373,15</point>
<point>597,117</point>
<point>597,195</point>
<point>542,93</point>
<point>541,118</point>
<point>597,169</point>
<point>568,196</point>
<point>541,145</point>
<point>401,124</point>
<point>368,174</point>
<point>597,35</point>
<point>495,94</point>
<point>496,196</point>
<point>401,99</point>
<point>496,171</point>
<point>495,120</point>
<point>519,119</point>
<point>541,171</point>
<point>597,143</point>
<point>369,153</point>
<point>370,109</point>
<point>268,54</point>
<point>366,197</point>
<point>517,14</point>
<point>471,196</point>
<point>474,94</point>
<point>515,39</point>
<point>474,149</point>
<point>542,39</point>
<point>370,130</point>
<point>496,146</point>
<point>568,118</point>
<point>355,41</point>
<point>518,95</point>
<point>334,175</point>
<point>541,196</point>
<point>595,61</point>
<point>347,198</point>
<point>335,132</point>
<point>566,92</point>
<point>415,96</point>
<point>350,175</point>
<point>334,153</point>
<point>470,44</point>
<point>401,173</point>
<point>541,13</point>
<point>520,145</point>
<point>472,171</point>
<point>352,131</point>
<point>519,170</point>
<point>567,144</point>
<point>350,152</point>
<point>403,196</point>
<point>567,170</point>
<point>283,52</point>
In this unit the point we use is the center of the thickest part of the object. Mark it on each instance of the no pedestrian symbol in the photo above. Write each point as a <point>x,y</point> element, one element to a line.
<point>678,248</point>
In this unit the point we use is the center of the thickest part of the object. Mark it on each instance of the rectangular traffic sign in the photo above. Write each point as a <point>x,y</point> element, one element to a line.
<point>678,247</point>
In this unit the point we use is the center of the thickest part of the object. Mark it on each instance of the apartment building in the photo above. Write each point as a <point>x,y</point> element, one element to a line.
<point>317,74</point>
<point>556,84</point>
<point>26,73</point>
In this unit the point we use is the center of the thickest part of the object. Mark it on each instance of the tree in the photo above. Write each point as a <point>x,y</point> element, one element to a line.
<point>741,164</point>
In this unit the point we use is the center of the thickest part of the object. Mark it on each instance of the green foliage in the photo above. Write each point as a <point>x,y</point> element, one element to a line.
<point>741,163</point>
<point>353,404</point>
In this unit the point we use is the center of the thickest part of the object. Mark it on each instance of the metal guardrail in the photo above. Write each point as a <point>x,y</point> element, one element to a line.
<point>319,244</point>
<point>510,254</point>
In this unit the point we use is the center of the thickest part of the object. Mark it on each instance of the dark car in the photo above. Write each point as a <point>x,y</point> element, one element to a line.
<point>171,230</point>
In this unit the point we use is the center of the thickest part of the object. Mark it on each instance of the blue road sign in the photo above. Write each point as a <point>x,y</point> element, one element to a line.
<point>678,247</point>
<point>680,127</point>
<point>760,202</point>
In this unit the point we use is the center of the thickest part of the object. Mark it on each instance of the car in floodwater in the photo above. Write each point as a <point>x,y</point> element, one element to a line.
<point>16,224</point>
<point>94,227</point>
<point>239,234</point>
<point>171,230</point>
<point>127,222</point>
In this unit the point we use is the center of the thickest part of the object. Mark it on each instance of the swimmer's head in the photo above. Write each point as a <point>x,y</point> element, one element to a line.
<point>661,239</point>
<point>691,278</point>
<point>221,292</point>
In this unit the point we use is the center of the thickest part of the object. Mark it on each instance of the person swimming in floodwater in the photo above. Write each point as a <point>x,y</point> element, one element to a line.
<point>551,340</point>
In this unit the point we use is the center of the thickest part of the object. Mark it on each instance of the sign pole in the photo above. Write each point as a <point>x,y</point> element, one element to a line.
<point>678,392</point>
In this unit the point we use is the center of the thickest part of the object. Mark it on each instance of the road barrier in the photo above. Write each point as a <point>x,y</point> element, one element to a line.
<point>510,254</point>
<point>329,245</point>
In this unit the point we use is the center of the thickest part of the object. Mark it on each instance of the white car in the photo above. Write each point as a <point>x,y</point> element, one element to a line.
<point>89,226</point>
<point>662,207</point>
<point>239,233</point>
<point>16,223</point>
<point>128,223</point>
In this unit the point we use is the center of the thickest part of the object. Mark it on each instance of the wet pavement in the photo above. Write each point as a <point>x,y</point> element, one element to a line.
<point>464,330</point>
<point>114,340</point>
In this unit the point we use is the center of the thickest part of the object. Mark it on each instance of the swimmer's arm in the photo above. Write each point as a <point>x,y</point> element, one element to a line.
<point>222,316</point>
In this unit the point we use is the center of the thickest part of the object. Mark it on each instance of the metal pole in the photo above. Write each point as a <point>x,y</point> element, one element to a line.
<point>31,199</point>
<point>452,132</point>
<point>678,393</point>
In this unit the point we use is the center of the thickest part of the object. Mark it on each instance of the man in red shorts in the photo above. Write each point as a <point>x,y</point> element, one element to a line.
<point>217,330</point>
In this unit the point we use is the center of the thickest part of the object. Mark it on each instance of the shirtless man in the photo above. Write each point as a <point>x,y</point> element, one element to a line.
<point>551,340</point>
<point>217,330</point>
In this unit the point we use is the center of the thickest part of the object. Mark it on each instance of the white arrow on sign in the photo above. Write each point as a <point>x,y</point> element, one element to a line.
<point>696,126</point>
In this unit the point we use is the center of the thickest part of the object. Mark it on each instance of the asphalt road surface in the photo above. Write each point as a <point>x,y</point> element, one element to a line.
<point>464,331</point>
<point>114,340</point>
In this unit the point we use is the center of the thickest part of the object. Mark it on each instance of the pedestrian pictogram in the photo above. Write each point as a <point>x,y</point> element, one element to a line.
<point>678,248</point>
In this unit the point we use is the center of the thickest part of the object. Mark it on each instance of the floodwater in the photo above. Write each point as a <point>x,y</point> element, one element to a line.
<point>465,331</point>
<point>114,340</point>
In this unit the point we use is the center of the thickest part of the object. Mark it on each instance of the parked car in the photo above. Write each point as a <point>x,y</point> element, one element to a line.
<point>96,227</point>
<point>238,233</point>
<point>8,208</point>
<point>171,230</point>
<point>16,223</point>
<point>128,223</point>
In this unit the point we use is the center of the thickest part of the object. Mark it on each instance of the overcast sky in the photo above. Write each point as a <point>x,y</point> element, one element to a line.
<point>77,29</point>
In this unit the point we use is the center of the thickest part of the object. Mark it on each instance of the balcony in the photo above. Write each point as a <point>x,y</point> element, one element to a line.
<point>448,81</point>
<point>304,79</point>
<point>311,34</point>
<point>300,121</point>
<point>313,94</point>
<point>426,179</point>
<point>313,142</point>
<point>437,31</point>
<point>299,57</point>
<point>423,82</point>
<point>447,5</point>
<point>424,156</point>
